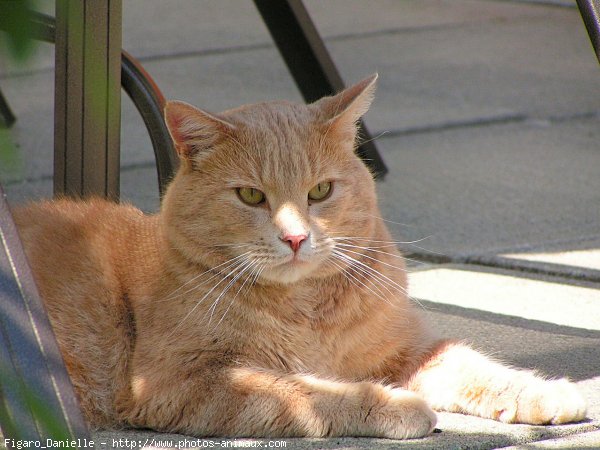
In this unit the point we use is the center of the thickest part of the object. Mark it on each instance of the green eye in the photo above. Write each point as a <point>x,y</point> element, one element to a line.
<point>250,196</point>
<point>320,192</point>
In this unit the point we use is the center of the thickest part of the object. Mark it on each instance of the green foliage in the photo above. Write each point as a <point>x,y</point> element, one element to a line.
<point>47,420</point>
<point>14,21</point>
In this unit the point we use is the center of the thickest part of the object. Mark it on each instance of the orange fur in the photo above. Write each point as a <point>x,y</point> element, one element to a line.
<point>202,320</point>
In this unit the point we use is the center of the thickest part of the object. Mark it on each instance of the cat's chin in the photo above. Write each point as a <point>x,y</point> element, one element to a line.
<point>294,271</point>
<point>289,272</point>
<point>286,273</point>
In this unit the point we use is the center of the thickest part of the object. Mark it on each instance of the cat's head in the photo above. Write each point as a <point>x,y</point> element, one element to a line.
<point>270,190</point>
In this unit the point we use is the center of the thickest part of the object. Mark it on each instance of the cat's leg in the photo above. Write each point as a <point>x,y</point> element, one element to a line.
<point>258,403</point>
<point>457,378</point>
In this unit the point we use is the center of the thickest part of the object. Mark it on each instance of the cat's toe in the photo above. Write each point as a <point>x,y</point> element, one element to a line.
<point>551,402</point>
<point>406,416</point>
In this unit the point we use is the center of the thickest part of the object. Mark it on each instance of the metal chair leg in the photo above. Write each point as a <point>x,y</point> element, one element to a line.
<point>144,93</point>
<point>87,98</point>
<point>590,13</point>
<point>310,64</point>
<point>38,400</point>
<point>7,118</point>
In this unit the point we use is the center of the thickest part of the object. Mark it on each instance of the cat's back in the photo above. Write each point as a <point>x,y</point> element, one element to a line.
<point>82,257</point>
<point>77,246</point>
<point>70,219</point>
<point>64,239</point>
<point>67,229</point>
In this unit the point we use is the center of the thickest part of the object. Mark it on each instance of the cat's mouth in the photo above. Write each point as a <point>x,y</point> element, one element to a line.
<point>298,262</point>
<point>290,269</point>
<point>294,260</point>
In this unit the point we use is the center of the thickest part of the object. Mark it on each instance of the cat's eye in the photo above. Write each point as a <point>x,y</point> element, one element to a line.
<point>320,192</point>
<point>250,196</point>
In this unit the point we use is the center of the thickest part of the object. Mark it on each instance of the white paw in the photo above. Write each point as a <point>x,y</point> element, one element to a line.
<point>550,402</point>
<point>404,416</point>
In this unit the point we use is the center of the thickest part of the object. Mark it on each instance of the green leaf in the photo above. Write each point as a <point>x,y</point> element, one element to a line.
<point>16,26</point>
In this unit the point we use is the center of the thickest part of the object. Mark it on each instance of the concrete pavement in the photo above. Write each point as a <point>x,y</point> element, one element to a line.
<point>489,116</point>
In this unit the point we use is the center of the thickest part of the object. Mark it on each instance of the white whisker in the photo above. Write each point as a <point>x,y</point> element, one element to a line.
<point>362,238</point>
<point>254,274</point>
<point>237,276</point>
<point>235,269</point>
<point>383,133</point>
<point>427,250</point>
<point>371,278</point>
<point>229,263</point>
<point>371,249</point>
<point>260,270</point>
<point>392,244</point>
<point>231,245</point>
<point>358,283</point>
<point>374,272</point>
<point>403,269</point>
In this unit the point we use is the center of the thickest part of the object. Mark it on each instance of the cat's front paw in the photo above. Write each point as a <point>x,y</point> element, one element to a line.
<point>548,402</point>
<point>404,415</point>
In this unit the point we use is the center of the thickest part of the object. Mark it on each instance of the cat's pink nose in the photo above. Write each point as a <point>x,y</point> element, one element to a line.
<point>294,240</point>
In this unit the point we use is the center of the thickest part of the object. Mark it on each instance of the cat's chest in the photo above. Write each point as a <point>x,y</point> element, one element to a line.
<point>310,339</point>
<point>289,347</point>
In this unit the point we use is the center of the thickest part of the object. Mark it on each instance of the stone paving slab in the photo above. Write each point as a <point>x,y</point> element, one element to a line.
<point>139,186</point>
<point>458,432</point>
<point>196,26</point>
<point>499,70</point>
<point>575,258</point>
<point>493,189</point>
<point>503,293</point>
<point>533,342</point>
<point>590,440</point>
<point>31,98</point>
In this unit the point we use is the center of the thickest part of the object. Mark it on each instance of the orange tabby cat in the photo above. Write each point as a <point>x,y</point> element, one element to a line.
<point>265,298</point>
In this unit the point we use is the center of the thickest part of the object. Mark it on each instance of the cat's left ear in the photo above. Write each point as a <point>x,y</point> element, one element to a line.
<point>342,111</point>
<point>193,130</point>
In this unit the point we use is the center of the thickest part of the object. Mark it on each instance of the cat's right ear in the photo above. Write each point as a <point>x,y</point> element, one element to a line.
<point>193,130</point>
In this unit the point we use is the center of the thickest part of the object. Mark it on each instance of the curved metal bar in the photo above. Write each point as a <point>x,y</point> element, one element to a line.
<point>150,103</point>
